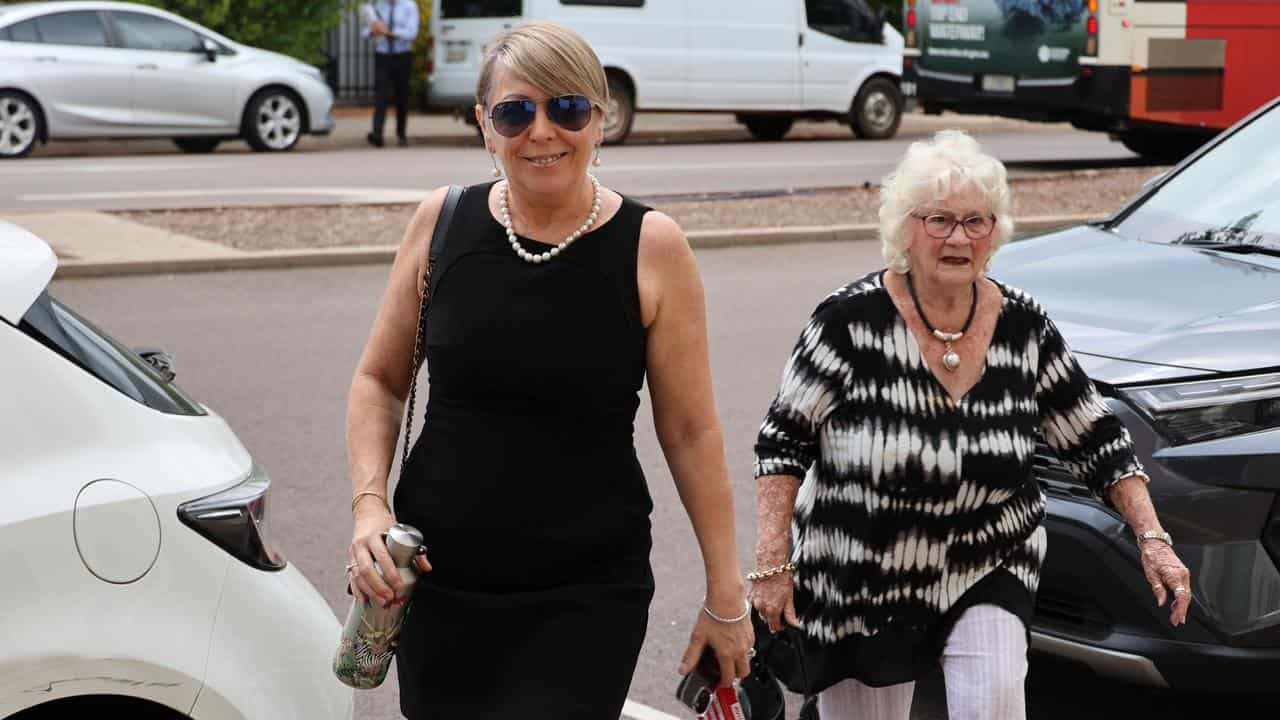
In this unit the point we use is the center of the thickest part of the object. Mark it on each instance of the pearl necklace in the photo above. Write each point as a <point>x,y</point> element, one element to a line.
<point>545,256</point>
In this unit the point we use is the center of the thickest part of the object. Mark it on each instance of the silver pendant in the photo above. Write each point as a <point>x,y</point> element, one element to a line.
<point>951,360</point>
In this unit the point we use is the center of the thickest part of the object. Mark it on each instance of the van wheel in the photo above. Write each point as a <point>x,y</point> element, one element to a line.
<point>196,145</point>
<point>273,121</point>
<point>19,125</point>
<point>622,112</point>
<point>877,110</point>
<point>767,127</point>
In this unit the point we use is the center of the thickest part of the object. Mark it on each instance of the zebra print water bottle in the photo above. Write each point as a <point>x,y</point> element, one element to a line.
<point>369,638</point>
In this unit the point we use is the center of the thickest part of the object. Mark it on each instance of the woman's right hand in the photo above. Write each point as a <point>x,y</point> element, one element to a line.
<point>369,554</point>
<point>774,598</point>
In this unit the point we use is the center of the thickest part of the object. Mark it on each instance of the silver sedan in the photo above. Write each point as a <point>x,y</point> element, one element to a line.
<point>120,70</point>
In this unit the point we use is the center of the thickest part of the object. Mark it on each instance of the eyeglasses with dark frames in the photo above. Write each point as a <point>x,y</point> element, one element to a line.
<point>941,225</point>
<point>512,117</point>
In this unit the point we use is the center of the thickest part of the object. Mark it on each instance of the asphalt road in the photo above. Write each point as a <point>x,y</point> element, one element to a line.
<point>401,175</point>
<point>273,351</point>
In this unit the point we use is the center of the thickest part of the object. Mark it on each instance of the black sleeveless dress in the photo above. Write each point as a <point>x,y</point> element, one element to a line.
<point>525,481</point>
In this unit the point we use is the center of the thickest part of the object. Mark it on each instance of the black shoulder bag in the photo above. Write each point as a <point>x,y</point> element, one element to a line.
<point>434,251</point>
<point>778,661</point>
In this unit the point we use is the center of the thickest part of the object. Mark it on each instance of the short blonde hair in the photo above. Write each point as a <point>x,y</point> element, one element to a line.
<point>932,170</point>
<point>550,57</point>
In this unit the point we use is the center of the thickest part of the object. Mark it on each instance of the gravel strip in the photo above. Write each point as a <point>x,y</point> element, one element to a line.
<point>1081,192</point>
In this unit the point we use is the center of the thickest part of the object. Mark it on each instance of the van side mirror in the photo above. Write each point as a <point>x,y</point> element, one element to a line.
<point>210,49</point>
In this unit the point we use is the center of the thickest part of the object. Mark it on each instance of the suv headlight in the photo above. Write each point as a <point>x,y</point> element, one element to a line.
<point>1202,410</point>
<point>235,519</point>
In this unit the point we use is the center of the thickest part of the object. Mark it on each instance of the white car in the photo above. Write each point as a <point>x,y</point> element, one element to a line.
<point>138,569</point>
<point>121,70</point>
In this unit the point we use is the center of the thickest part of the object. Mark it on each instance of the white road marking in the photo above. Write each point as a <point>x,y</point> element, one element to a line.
<point>636,711</point>
<point>361,195</point>
<point>101,168</point>
<point>792,164</point>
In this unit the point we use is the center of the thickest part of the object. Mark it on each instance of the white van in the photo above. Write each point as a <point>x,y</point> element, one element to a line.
<point>768,61</point>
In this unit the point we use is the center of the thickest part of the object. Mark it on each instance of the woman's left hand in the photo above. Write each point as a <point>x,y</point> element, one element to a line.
<point>1166,574</point>
<point>730,642</point>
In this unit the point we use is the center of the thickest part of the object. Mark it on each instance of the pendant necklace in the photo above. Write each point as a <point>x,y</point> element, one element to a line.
<point>950,358</point>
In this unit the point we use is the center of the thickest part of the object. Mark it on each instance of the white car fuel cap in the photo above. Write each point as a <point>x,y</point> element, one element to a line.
<point>117,531</point>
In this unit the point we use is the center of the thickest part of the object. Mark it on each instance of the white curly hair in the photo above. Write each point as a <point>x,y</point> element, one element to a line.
<point>932,170</point>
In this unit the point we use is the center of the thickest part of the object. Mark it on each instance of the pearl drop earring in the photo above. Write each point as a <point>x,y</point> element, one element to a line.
<point>596,160</point>
<point>497,172</point>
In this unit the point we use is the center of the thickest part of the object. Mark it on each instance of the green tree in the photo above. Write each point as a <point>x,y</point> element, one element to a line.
<point>292,27</point>
<point>422,48</point>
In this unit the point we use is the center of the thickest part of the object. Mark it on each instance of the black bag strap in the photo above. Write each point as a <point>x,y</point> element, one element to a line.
<point>434,251</point>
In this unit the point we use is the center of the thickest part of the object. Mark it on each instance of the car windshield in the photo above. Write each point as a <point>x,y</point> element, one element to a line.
<point>1228,197</point>
<point>66,333</point>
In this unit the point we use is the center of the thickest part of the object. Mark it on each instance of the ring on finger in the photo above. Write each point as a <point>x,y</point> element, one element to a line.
<point>751,652</point>
<point>1179,590</point>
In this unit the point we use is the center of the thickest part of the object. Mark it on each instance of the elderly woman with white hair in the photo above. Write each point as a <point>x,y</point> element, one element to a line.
<point>898,457</point>
<point>553,301</point>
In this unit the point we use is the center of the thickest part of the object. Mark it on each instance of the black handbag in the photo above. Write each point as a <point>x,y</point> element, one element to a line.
<point>778,662</point>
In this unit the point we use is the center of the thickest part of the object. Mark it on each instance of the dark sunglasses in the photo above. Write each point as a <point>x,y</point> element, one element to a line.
<point>512,117</point>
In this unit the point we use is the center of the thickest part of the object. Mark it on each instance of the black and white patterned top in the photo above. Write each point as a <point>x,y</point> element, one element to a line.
<point>915,507</point>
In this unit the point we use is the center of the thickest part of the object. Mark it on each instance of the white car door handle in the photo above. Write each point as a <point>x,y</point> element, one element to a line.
<point>46,58</point>
<point>148,66</point>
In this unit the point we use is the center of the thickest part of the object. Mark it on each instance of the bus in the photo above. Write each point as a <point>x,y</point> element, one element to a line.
<point>1161,76</point>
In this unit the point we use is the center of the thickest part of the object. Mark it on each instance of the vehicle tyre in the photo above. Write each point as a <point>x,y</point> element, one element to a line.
<point>273,120</point>
<point>767,127</point>
<point>1162,147</point>
<point>196,144</point>
<point>21,124</point>
<point>621,112</point>
<point>877,110</point>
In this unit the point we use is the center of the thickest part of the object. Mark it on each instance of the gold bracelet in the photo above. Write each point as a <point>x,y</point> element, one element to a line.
<point>727,620</point>
<point>362,493</point>
<point>766,574</point>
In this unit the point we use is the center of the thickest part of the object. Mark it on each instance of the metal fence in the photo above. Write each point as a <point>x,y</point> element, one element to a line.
<point>350,69</point>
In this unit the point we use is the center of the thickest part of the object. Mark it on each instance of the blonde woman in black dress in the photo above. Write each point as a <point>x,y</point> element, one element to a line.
<point>554,300</point>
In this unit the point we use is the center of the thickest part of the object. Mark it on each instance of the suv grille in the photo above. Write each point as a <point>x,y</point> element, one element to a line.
<point>1076,616</point>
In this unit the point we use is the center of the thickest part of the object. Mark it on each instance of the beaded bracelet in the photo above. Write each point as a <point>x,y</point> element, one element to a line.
<point>766,574</point>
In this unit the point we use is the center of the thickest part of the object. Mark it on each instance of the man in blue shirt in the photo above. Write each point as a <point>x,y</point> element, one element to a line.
<point>394,27</point>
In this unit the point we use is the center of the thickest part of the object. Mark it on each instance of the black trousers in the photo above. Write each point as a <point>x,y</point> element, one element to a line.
<point>391,76</point>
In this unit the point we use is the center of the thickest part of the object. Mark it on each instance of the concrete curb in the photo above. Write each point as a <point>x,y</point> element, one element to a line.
<point>383,254</point>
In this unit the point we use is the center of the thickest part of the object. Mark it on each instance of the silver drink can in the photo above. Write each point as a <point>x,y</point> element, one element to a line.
<point>372,631</point>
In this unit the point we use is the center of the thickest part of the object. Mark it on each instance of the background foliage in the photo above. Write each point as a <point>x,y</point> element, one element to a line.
<point>292,27</point>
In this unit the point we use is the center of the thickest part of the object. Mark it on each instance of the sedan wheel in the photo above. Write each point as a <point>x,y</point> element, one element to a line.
<point>274,122</point>
<point>19,125</point>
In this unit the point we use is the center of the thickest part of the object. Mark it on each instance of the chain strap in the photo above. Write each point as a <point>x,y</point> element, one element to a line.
<point>417,363</point>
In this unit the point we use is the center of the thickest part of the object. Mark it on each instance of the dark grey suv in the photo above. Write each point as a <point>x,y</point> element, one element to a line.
<point>1173,307</point>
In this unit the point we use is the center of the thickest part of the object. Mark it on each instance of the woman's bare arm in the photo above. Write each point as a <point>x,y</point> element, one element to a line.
<point>688,428</point>
<point>375,403</point>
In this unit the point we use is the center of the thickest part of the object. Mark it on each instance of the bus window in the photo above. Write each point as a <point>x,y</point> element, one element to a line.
<point>480,8</point>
